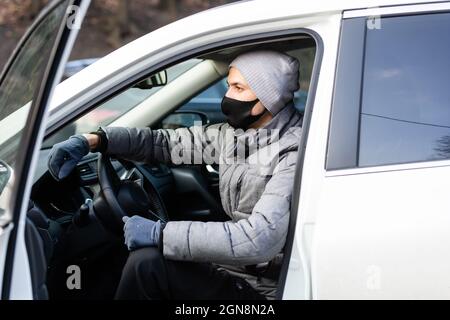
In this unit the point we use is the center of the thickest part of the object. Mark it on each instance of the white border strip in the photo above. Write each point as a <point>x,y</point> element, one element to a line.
<point>387,168</point>
<point>375,11</point>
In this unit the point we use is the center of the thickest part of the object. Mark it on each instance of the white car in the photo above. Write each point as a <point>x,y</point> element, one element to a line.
<point>370,216</point>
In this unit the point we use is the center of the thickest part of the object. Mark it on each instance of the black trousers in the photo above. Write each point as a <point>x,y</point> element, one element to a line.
<point>148,275</point>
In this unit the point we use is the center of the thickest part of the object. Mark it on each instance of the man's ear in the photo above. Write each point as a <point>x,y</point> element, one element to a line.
<point>258,109</point>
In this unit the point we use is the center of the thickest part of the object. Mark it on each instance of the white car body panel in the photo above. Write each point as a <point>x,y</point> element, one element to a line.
<point>226,21</point>
<point>298,282</point>
<point>383,235</point>
<point>308,275</point>
<point>346,244</point>
<point>21,283</point>
<point>372,233</point>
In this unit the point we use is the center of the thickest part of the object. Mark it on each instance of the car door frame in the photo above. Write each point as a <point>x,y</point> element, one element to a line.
<point>316,26</point>
<point>16,277</point>
<point>324,281</point>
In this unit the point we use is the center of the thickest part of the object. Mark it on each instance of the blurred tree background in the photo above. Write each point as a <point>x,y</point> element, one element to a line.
<point>109,24</point>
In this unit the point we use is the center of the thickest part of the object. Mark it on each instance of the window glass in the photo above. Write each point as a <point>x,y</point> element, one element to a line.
<point>17,91</point>
<point>209,100</point>
<point>115,107</point>
<point>405,111</point>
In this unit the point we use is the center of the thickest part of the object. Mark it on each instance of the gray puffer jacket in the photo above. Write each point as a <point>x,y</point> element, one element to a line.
<point>256,170</point>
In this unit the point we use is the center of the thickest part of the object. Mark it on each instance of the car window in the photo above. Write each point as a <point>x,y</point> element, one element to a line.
<point>115,107</point>
<point>209,100</point>
<point>306,58</point>
<point>17,90</point>
<point>405,111</point>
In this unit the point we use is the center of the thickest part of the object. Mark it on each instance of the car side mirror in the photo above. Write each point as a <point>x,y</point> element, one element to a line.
<point>184,119</point>
<point>157,80</point>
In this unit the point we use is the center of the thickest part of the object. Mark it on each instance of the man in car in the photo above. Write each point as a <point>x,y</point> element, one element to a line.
<point>256,151</point>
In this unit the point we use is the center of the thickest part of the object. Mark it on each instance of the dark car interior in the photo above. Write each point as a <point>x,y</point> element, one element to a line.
<point>77,221</point>
<point>76,224</point>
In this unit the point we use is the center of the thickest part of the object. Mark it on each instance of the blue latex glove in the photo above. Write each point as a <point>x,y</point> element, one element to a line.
<point>141,232</point>
<point>65,155</point>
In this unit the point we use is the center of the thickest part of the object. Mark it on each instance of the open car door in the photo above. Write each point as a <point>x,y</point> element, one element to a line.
<point>26,86</point>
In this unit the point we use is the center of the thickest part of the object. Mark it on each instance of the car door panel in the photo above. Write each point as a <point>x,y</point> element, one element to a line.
<point>18,281</point>
<point>379,209</point>
<point>384,233</point>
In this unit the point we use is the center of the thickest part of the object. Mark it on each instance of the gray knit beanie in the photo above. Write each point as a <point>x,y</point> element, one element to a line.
<point>272,76</point>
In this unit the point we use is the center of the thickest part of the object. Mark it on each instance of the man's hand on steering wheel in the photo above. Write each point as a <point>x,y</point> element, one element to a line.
<point>117,197</point>
<point>65,155</point>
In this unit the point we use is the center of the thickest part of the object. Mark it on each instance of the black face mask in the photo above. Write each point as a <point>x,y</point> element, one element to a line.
<point>238,112</point>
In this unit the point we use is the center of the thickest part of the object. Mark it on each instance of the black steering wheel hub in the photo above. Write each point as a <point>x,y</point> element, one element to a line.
<point>132,198</point>
<point>119,198</point>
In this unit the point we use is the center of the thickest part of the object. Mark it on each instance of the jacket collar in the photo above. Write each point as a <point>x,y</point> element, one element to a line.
<point>273,130</point>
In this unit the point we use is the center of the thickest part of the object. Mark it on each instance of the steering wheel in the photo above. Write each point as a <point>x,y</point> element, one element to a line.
<point>119,198</point>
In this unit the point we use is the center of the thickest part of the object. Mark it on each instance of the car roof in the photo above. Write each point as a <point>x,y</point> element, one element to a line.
<point>219,18</point>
